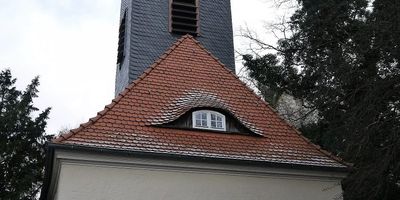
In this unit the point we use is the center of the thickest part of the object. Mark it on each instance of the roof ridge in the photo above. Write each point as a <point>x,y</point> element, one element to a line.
<point>328,154</point>
<point>128,88</point>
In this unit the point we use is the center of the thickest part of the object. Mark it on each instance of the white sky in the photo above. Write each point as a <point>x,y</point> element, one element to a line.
<point>72,46</point>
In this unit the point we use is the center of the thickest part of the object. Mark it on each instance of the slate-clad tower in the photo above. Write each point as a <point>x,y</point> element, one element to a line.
<point>149,27</point>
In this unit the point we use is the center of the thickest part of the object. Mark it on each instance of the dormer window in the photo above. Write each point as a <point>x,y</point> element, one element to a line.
<point>207,119</point>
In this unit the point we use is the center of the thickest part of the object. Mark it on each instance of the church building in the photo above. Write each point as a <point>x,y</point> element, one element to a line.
<point>182,125</point>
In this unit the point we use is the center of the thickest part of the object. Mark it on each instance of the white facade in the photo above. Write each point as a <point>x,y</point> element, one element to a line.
<point>92,176</point>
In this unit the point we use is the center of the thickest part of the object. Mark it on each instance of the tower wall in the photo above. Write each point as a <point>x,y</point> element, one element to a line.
<point>148,35</point>
<point>122,71</point>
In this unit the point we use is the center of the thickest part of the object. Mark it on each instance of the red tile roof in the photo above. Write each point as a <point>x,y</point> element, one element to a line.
<point>187,76</point>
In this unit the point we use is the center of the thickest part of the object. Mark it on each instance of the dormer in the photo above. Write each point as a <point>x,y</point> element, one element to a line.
<point>210,120</point>
<point>204,111</point>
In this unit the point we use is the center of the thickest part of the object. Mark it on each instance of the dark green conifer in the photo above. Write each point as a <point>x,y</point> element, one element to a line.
<point>22,140</point>
<point>342,58</point>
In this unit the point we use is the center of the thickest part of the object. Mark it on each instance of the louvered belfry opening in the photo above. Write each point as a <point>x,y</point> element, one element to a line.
<point>121,40</point>
<point>184,15</point>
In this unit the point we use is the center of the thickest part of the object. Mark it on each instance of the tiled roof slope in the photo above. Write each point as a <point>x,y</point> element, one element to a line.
<point>127,123</point>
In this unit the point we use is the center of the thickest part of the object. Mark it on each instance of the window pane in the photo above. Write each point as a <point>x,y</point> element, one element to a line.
<point>198,116</point>
<point>198,122</point>
<point>213,124</point>
<point>219,118</point>
<point>219,124</point>
<point>204,123</point>
<point>204,116</point>
<point>212,117</point>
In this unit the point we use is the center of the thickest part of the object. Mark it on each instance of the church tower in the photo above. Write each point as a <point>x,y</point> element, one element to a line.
<point>149,27</point>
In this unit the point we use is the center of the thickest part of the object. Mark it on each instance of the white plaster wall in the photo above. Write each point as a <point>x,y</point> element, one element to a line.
<point>100,178</point>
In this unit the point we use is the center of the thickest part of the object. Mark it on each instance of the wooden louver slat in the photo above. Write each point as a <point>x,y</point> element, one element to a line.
<point>178,18</point>
<point>184,4</point>
<point>184,24</point>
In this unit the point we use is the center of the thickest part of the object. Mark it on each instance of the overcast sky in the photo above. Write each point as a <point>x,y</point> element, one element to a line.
<point>72,46</point>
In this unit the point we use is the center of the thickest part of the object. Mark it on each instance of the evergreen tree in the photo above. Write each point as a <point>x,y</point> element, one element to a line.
<point>342,58</point>
<point>22,139</point>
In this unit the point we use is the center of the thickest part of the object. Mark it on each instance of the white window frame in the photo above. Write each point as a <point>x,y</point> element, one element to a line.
<point>208,113</point>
